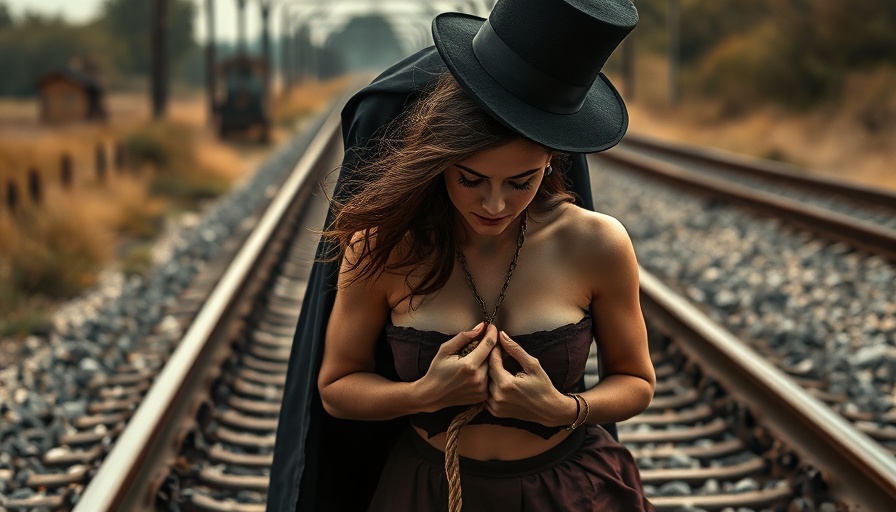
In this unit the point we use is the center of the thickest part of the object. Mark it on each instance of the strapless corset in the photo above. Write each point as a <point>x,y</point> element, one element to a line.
<point>562,352</point>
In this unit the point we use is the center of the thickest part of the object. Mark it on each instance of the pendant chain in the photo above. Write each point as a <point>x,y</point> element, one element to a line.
<point>463,264</point>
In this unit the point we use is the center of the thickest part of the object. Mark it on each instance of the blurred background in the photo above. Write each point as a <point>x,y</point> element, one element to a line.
<point>108,131</point>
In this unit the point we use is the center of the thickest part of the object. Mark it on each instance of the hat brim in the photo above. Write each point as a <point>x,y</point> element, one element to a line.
<point>598,125</point>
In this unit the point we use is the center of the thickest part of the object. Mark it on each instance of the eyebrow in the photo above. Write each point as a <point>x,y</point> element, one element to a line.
<point>520,175</point>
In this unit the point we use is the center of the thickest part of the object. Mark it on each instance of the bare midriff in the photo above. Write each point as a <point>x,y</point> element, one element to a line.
<point>495,442</point>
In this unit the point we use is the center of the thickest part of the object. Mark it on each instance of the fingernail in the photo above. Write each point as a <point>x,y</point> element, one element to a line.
<point>480,324</point>
<point>504,334</point>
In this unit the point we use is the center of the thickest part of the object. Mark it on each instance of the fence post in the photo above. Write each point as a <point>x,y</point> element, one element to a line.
<point>65,171</point>
<point>118,157</point>
<point>34,186</point>
<point>100,163</point>
<point>12,195</point>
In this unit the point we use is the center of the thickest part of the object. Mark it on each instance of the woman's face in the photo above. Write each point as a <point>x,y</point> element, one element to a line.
<point>492,187</point>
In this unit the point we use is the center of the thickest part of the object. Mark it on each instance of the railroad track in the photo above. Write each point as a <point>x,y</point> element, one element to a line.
<point>858,215</point>
<point>726,429</point>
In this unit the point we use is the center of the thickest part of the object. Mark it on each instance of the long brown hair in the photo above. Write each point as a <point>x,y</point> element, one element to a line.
<point>402,201</point>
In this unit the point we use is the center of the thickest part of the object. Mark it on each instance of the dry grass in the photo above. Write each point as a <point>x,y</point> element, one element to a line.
<point>312,96</point>
<point>852,140</point>
<point>53,250</point>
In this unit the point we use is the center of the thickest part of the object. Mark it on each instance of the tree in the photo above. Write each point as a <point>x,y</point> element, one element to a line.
<point>128,23</point>
<point>30,48</point>
<point>6,20</point>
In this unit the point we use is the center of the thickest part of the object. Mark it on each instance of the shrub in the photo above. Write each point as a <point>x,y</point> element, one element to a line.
<point>159,145</point>
<point>55,253</point>
<point>171,150</point>
<point>745,70</point>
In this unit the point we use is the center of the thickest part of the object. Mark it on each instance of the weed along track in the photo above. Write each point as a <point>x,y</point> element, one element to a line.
<point>189,421</point>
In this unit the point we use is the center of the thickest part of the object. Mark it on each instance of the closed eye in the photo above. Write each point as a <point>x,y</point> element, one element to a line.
<point>464,182</point>
<point>526,185</point>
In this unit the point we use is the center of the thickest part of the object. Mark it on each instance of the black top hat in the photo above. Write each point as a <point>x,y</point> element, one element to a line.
<point>535,66</point>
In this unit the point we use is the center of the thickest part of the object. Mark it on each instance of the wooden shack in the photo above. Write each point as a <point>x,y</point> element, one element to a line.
<point>70,94</point>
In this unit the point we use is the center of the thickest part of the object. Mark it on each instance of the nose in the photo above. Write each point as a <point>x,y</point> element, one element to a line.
<point>493,202</point>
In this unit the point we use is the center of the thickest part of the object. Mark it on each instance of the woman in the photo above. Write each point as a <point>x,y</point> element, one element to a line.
<point>461,216</point>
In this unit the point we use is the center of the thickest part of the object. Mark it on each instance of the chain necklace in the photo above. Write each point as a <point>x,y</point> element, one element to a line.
<point>452,462</point>
<point>489,319</point>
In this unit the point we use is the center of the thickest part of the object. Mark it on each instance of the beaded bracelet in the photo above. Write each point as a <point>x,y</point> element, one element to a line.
<point>580,418</point>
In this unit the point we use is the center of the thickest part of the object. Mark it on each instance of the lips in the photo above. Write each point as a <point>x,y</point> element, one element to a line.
<point>488,220</point>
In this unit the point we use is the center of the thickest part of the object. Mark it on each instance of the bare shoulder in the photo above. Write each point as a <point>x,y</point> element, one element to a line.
<point>591,234</point>
<point>358,249</point>
<point>596,246</point>
<point>384,275</point>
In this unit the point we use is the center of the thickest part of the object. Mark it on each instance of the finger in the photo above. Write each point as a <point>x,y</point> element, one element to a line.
<point>461,340</point>
<point>489,339</point>
<point>529,363</point>
<point>494,407</point>
<point>491,406</point>
<point>496,368</point>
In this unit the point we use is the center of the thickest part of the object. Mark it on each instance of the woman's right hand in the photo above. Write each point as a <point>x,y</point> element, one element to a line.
<point>455,380</point>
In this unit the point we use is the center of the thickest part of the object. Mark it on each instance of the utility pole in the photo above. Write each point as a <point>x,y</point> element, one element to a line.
<point>303,52</point>
<point>674,28</point>
<point>158,48</point>
<point>266,47</point>
<point>210,71</point>
<point>241,26</point>
<point>285,51</point>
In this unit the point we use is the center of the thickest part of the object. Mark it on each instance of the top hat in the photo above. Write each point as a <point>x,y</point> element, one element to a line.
<point>534,65</point>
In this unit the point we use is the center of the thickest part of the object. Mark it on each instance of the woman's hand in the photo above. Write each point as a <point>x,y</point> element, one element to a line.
<point>529,395</point>
<point>455,380</point>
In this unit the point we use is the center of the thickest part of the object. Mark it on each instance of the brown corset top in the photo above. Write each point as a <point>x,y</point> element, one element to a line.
<point>562,353</point>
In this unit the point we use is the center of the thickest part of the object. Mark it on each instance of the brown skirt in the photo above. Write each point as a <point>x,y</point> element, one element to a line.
<point>588,471</point>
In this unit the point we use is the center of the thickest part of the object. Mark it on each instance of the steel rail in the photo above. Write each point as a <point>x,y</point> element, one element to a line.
<point>152,423</point>
<point>869,236</point>
<point>855,467</point>
<point>765,169</point>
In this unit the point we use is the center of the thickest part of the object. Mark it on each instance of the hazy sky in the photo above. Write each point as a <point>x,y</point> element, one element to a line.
<point>75,10</point>
<point>413,11</point>
<point>83,10</point>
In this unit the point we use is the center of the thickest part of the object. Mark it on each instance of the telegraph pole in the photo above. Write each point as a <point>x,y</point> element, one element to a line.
<point>241,26</point>
<point>158,46</point>
<point>674,27</point>
<point>266,47</point>
<point>210,72</point>
<point>285,51</point>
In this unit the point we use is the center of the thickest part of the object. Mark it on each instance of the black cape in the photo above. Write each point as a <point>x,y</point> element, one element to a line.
<point>321,463</point>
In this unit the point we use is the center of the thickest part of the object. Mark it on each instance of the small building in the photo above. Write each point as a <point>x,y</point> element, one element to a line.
<point>70,94</point>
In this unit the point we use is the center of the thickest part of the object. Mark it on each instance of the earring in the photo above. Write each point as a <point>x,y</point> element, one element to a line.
<point>548,170</point>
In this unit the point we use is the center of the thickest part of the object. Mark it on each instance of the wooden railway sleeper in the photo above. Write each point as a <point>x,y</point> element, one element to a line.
<point>264,366</point>
<point>219,453</point>
<point>236,419</point>
<point>210,504</point>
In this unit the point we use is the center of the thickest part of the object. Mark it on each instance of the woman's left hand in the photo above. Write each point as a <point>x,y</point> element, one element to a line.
<point>529,395</point>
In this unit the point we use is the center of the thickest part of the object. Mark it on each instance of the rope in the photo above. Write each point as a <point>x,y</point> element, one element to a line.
<point>452,463</point>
